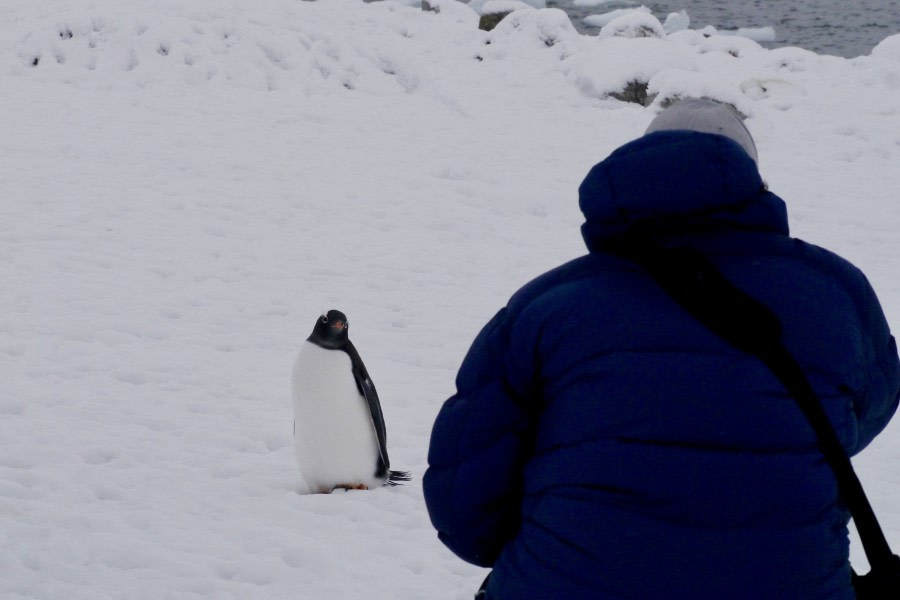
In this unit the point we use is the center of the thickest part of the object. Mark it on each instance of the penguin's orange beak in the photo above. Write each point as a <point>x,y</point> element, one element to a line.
<point>339,325</point>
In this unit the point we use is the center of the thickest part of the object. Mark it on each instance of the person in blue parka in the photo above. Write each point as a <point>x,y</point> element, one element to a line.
<point>603,443</point>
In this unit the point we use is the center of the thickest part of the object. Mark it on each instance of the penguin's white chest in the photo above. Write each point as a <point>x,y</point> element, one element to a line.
<point>334,437</point>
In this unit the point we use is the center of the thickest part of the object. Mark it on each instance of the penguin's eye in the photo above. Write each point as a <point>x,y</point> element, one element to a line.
<point>324,319</point>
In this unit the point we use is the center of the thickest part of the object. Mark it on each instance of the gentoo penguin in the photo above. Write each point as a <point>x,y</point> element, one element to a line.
<point>339,432</point>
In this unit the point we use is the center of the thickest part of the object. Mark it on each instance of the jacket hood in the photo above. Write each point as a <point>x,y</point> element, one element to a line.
<point>676,182</point>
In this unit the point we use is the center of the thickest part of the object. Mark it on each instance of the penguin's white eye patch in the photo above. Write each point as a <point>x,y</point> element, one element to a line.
<point>324,319</point>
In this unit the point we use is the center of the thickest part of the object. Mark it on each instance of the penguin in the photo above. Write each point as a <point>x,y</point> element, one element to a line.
<point>340,438</point>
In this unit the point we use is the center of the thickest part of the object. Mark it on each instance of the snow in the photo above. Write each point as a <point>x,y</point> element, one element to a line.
<point>489,7</point>
<point>677,21</point>
<point>631,17</point>
<point>635,24</point>
<point>603,19</point>
<point>757,34</point>
<point>186,186</point>
<point>597,3</point>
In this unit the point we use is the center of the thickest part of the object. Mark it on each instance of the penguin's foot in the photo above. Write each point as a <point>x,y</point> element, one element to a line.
<point>351,486</point>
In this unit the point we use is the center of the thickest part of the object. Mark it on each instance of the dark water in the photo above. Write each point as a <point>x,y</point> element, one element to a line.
<point>849,28</point>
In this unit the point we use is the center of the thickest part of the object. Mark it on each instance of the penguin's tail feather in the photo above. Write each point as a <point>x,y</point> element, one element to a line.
<point>395,478</point>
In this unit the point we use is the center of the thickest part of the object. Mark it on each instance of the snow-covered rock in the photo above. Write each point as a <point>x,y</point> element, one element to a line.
<point>635,24</point>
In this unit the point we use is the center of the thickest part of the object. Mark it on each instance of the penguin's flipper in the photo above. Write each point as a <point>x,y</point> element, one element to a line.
<point>367,389</point>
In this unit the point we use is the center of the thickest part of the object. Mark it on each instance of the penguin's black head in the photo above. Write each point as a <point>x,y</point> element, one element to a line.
<point>330,330</point>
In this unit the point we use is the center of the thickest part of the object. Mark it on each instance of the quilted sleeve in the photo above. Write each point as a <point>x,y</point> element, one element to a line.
<point>879,401</point>
<point>478,446</point>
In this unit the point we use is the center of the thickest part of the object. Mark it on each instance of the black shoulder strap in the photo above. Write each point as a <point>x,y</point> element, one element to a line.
<point>702,290</point>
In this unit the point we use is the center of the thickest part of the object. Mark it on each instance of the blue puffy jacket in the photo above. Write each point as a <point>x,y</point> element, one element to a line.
<point>602,443</point>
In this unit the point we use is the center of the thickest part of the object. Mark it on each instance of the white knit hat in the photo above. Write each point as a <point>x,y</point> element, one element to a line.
<point>705,116</point>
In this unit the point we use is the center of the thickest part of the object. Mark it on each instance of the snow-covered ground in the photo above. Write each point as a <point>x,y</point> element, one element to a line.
<point>185,186</point>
